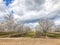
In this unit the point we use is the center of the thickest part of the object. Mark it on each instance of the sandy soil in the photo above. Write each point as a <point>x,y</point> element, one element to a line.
<point>29,41</point>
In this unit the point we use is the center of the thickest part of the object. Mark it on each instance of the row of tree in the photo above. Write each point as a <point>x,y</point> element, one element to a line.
<point>44,26</point>
<point>10,25</point>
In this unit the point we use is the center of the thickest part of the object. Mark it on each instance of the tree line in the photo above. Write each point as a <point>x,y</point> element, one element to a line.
<point>44,26</point>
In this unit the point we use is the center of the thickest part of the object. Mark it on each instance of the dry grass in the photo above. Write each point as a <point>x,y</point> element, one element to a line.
<point>29,41</point>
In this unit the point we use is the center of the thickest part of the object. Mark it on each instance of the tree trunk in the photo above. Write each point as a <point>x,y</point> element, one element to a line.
<point>46,36</point>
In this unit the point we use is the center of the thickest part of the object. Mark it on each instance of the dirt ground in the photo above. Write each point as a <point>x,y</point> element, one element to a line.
<point>29,41</point>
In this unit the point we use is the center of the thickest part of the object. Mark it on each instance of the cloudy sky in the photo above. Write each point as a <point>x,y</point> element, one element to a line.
<point>30,11</point>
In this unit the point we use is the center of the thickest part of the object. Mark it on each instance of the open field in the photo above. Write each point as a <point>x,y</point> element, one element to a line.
<point>29,41</point>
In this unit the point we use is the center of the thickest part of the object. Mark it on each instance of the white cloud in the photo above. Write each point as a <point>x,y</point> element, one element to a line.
<point>28,9</point>
<point>3,9</point>
<point>32,25</point>
<point>50,6</point>
<point>57,22</point>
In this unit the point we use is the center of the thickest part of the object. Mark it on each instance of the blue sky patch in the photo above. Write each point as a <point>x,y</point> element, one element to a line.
<point>7,2</point>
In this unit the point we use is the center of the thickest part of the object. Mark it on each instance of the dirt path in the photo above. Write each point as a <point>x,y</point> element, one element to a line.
<point>28,41</point>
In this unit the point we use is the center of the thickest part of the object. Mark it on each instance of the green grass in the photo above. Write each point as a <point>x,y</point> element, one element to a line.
<point>29,34</point>
<point>8,34</point>
<point>16,34</point>
<point>53,35</point>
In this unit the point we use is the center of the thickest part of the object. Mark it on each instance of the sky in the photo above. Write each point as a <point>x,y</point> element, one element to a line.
<point>30,12</point>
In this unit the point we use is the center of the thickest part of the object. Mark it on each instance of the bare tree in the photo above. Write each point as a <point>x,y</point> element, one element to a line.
<point>27,29</point>
<point>1,27</point>
<point>9,22</point>
<point>18,28</point>
<point>57,28</point>
<point>45,25</point>
<point>10,25</point>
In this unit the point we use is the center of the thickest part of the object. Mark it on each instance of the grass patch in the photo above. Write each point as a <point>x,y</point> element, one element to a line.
<point>29,34</point>
<point>16,34</point>
<point>53,35</point>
